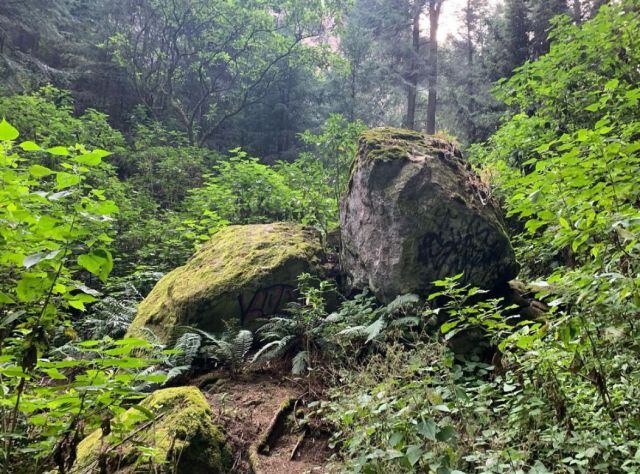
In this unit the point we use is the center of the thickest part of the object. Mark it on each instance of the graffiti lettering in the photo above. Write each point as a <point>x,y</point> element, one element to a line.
<point>264,302</point>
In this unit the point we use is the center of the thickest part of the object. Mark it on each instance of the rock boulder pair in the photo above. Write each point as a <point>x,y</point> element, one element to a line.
<point>414,212</point>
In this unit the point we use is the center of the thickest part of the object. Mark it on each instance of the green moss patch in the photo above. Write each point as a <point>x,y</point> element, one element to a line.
<point>180,437</point>
<point>242,273</point>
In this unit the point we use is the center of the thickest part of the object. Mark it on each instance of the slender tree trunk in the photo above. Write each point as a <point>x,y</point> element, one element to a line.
<point>432,81</point>
<point>412,89</point>
<point>470,78</point>
<point>577,11</point>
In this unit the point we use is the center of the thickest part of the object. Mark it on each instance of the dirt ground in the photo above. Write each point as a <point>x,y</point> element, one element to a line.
<point>250,406</point>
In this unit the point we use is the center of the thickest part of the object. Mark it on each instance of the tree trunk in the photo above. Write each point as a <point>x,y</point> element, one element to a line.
<point>412,79</point>
<point>470,78</point>
<point>432,82</point>
<point>577,11</point>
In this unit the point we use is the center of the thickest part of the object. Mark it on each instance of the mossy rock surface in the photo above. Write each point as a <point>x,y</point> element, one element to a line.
<point>182,439</point>
<point>415,212</point>
<point>243,273</point>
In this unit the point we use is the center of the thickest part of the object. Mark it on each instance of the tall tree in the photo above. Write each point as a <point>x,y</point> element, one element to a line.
<point>414,64</point>
<point>469,65</point>
<point>199,64</point>
<point>384,65</point>
<point>542,11</point>
<point>435,7</point>
<point>516,29</point>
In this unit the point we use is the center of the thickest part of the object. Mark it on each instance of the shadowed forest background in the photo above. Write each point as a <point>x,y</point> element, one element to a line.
<point>137,133</point>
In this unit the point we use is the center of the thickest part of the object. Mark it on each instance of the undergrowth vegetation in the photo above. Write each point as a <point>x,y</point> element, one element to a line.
<point>455,380</point>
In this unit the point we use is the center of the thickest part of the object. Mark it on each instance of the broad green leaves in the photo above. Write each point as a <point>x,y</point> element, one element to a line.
<point>7,131</point>
<point>99,262</point>
<point>567,164</point>
<point>54,224</point>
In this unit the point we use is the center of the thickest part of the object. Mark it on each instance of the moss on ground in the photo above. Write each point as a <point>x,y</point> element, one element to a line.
<point>182,437</point>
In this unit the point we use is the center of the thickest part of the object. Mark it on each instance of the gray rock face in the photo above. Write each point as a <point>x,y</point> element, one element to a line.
<point>415,212</point>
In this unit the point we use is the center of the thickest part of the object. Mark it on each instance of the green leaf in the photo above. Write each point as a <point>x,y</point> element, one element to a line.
<point>446,433</point>
<point>564,223</point>
<point>66,180</point>
<point>39,171</point>
<point>395,439</point>
<point>98,262</point>
<point>89,159</point>
<point>30,146</point>
<point>8,132</point>
<point>612,84</point>
<point>13,371</point>
<point>58,151</point>
<point>55,374</point>
<point>31,286</point>
<point>428,429</point>
<point>442,407</point>
<point>31,260</point>
<point>6,299</point>
<point>132,342</point>
<point>448,326</point>
<point>10,318</point>
<point>91,343</point>
<point>414,453</point>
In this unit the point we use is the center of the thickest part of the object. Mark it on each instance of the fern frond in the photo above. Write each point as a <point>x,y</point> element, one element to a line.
<point>354,332</point>
<point>260,355</point>
<point>206,336</point>
<point>334,318</point>
<point>188,344</point>
<point>401,302</point>
<point>275,349</point>
<point>300,363</point>
<point>177,371</point>
<point>374,329</point>
<point>407,321</point>
<point>242,345</point>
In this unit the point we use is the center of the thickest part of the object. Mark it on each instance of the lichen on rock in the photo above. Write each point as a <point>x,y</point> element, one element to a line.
<point>415,212</point>
<point>244,272</point>
<point>181,437</point>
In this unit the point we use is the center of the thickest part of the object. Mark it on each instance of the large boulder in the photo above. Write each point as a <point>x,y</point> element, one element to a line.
<point>243,273</point>
<point>415,212</point>
<point>177,427</point>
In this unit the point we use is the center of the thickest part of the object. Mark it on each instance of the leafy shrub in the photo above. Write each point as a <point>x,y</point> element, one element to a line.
<point>54,238</point>
<point>397,413</point>
<point>300,334</point>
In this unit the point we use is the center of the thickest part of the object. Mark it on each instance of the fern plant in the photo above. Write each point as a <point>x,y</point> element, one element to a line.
<point>301,332</point>
<point>112,315</point>
<point>229,350</point>
<point>399,314</point>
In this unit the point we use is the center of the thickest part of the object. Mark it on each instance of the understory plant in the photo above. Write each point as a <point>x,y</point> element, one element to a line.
<point>54,239</point>
<point>299,334</point>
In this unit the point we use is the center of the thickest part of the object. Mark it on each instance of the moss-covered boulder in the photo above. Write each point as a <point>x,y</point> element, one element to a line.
<point>415,212</point>
<point>243,273</point>
<point>180,436</point>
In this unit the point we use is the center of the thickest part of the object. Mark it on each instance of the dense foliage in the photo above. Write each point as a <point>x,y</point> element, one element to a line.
<point>559,395</point>
<point>220,113</point>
